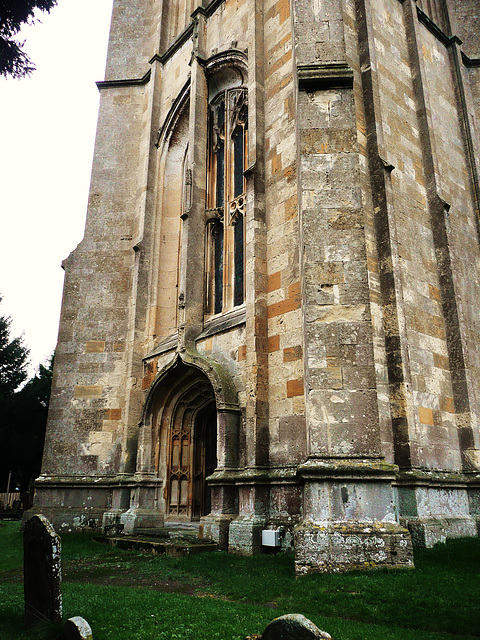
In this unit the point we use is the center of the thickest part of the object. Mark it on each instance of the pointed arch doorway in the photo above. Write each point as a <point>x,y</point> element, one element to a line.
<point>185,444</point>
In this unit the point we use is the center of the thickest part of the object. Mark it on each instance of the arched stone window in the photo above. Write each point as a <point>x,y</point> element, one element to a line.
<point>226,163</point>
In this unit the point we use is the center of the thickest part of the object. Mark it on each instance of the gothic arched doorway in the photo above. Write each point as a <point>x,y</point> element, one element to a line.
<point>185,444</point>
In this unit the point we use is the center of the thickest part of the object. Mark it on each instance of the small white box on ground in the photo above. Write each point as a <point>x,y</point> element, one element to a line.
<point>270,538</point>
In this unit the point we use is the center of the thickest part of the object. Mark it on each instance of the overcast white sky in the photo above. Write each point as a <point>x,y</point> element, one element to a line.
<point>48,124</point>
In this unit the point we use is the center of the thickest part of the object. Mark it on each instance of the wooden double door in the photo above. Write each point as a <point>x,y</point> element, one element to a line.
<point>190,446</point>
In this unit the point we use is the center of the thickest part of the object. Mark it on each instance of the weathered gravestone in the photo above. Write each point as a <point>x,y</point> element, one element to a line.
<point>77,629</point>
<point>293,626</point>
<point>42,572</point>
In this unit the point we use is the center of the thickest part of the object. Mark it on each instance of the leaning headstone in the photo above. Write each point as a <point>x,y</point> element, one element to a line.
<point>77,629</point>
<point>293,626</point>
<point>42,574</point>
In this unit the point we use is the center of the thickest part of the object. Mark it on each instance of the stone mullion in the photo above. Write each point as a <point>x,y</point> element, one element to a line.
<point>391,288</point>
<point>438,209</point>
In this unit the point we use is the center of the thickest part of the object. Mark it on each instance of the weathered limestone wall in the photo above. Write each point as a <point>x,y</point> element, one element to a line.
<point>453,187</point>
<point>346,384</point>
<point>92,348</point>
<point>227,27</point>
<point>465,18</point>
<point>285,343</point>
<point>414,90</point>
<point>349,505</point>
<point>134,37</point>
<point>424,329</point>
<point>88,432</point>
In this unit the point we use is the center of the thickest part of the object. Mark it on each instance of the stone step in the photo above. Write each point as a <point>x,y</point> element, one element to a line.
<point>171,530</point>
<point>171,546</point>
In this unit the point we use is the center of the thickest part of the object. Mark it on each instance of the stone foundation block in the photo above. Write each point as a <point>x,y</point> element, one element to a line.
<point>216,528</point>
<point>351,546</point>
<point>428,531</point>
<point>65,519</point>
<point>135,519</point>
<point>245,535</point>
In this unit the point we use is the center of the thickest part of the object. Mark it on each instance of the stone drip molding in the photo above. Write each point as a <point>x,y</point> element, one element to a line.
<point>450,479</point>
<point>335,75</point>
<point>126,82</point>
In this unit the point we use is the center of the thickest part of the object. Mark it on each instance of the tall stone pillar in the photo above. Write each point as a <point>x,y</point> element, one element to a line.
<point>350,515</point>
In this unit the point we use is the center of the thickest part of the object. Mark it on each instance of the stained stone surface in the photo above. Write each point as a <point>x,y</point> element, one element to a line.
<point>293,626</point>
<point>77,628</point>
<point>42,572</point>
<point>347,386</point>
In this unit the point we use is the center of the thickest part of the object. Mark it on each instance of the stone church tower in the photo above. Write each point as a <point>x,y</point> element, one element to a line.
<point>273,321</point>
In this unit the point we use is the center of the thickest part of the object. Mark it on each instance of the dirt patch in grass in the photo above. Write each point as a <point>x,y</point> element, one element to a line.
<point>167,586</point>
<point>124,573</point>
<point>12,576</point>
<point>84,571</point>
<point>112,573</point>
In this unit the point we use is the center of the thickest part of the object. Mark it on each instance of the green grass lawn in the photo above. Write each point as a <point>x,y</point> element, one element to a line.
<point>128,595</point>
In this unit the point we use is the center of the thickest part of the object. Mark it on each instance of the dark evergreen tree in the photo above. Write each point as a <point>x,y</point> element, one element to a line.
<point>13,371</point>
<point>13,360</point>
<point>13,15</point>
<point>26,419</point>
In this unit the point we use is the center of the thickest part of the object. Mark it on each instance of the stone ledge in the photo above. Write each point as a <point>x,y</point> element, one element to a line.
<point>169,344</point>
<point>353,469</point>
<point>470,62</point>
<point>421,478</point>
<point>223,322</point>
<point>261,476</point>
<point>94,482</point>
<point>124,82</point>
<point>312,77</point>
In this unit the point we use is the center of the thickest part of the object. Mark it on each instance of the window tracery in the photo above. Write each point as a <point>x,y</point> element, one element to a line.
<point>226,200</point>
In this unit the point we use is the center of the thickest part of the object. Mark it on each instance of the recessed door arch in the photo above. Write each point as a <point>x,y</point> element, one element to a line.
<point>205,459</point>
<point>185,444</point>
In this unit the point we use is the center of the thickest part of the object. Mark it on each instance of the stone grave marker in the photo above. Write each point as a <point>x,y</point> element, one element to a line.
<point>293,626</point>
<point>42,572</point>
<point>77,628</point>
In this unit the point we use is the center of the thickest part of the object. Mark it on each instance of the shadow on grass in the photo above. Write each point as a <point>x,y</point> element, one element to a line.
<point>131,595</point>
